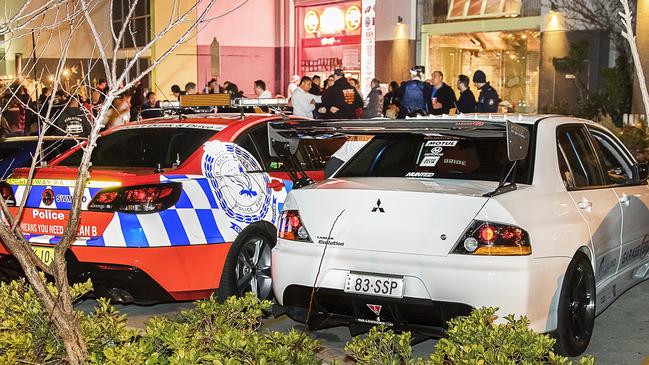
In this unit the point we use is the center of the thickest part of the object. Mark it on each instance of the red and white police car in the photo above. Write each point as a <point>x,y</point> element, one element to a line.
<point>176,207</point>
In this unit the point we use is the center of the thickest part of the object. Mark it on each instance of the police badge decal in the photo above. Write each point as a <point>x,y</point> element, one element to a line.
<point>243,196</point>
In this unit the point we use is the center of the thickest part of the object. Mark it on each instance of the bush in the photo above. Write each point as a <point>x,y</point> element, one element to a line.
<point>227,334</point>
<point>474,339</point>
<point>211,333</point>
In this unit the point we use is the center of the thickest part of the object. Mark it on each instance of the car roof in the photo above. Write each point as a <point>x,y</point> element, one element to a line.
<point>223,119</point>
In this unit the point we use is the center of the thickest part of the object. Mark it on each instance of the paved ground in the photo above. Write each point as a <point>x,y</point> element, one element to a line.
<point>621,334</point>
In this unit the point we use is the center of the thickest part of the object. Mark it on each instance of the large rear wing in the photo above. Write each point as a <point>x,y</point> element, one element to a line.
<point>284,136</point>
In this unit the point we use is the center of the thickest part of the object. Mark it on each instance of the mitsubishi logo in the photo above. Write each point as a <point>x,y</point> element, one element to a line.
<point>375,308</point>
<point>378,207</point>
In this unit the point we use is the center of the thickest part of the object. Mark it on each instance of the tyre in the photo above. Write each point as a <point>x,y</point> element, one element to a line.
<point>247,267</point>
<point>576,311</point>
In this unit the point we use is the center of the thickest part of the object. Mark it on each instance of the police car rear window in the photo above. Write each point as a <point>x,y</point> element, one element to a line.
<point>445,157</point>
<point>144,147</point>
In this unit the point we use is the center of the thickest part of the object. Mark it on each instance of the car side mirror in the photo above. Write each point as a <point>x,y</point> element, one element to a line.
<point>641,172</point>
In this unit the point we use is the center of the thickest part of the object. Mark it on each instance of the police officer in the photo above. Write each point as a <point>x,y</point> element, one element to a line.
<point>415,94</point>
<point>488,99</point>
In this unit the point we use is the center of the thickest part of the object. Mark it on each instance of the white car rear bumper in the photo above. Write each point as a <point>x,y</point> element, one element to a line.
<point>516,285</point>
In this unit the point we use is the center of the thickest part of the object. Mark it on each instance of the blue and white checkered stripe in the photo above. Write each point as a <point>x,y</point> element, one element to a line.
<point>195,219</point>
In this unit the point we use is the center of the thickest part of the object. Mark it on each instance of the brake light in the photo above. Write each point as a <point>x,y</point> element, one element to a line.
<point>291,227</point>
<point>137,199</point>
<point>487,233</point>
<point>7,194</point>
<point>492,239</point>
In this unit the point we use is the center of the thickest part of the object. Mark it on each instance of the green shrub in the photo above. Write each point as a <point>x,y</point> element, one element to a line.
<point>382,346</point>
<point>471,340</point>
<point>210,333</point>
<point>27,335</point>
<point>228,334</point>
<point>213,333</point>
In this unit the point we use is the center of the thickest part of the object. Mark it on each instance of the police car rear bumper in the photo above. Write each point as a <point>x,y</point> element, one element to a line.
<point>142,275</point>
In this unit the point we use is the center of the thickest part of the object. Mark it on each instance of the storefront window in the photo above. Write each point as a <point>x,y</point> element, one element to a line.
<point>509,59</point>
<point>329,37</point>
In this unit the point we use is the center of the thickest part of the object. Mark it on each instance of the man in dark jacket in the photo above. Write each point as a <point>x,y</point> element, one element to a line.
<point>488,100</point>
<point>341,100</point>
<point>442,96</point>
<point>466,102</point>
<point>414,94</point>
<point>73,121</point>
<point>374,101</point>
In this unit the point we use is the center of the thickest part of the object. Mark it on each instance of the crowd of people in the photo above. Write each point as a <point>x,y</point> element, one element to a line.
<point>341,97</point>
<point>336,97</point>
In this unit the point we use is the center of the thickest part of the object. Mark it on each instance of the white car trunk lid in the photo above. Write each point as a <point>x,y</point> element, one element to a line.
<point>392,214</point>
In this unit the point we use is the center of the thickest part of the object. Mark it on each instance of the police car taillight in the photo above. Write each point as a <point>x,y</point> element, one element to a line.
<point>291,227</point>
<point>493,239</point>
<point>137,199</point>
<point>7,194</point>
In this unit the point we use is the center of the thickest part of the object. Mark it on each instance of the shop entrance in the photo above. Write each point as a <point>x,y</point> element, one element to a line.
<point>510,59</point>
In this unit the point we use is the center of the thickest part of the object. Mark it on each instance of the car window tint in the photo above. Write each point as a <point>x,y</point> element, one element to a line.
<point>576,147</point>
<point>144,147</point>
<point>617,171</point>
<point>412,155</point>
<point>313,154</point>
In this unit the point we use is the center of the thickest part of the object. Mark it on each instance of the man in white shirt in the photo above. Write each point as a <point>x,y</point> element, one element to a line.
<point>295,80</point>
<point>303,102</point>
<point>260,90</point>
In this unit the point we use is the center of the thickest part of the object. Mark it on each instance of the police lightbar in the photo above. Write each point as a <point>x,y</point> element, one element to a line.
<point>205,100</point>
<point>255,102</point>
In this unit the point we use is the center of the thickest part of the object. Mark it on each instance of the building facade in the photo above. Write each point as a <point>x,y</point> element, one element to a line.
<point>521,45</point>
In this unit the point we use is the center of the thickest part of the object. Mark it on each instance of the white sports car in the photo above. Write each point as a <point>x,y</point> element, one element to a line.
<point>542,216</point>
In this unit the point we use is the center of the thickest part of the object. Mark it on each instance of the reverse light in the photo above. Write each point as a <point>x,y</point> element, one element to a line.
<point>7,194</point>
<point>291,227</point>
<point>137,199</point>
<point>493,239</point>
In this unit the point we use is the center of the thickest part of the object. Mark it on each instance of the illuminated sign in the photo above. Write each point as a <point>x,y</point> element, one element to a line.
<point>470,9</point>
<point>353,17</point>
<point>311,21</point>
<point>333,20</point>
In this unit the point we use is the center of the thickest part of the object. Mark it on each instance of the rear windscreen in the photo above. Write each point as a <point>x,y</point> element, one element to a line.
<point>445,157</point>
<point>144,147</point>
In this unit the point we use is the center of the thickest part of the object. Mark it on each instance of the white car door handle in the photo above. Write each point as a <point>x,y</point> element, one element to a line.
<point>585,204</point>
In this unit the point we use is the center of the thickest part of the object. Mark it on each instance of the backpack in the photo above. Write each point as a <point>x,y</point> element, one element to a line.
<point>413,97</point>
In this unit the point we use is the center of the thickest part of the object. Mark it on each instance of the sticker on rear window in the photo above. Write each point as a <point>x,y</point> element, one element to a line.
<point>429,161</point>
<point>436,151</point>
<point>436,143</point>
<point>424,175</point>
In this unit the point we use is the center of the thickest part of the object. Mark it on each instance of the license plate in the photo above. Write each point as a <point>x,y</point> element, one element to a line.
<point>374,285</point>
<point>46,254</point>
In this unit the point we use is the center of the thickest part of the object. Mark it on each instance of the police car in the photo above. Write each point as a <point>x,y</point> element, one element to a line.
<point>175,208</point>
<point>543,216</point>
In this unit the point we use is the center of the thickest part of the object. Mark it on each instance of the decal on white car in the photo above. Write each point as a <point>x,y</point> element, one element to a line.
<point>436,143</point>
<point>429,161</point>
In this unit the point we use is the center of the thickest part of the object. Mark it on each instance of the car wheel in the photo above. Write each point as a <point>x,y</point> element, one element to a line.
<point>247,267</point>
<point>576,311</point>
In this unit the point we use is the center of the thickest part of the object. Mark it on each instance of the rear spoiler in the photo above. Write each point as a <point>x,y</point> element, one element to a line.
<point>284,136</point>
